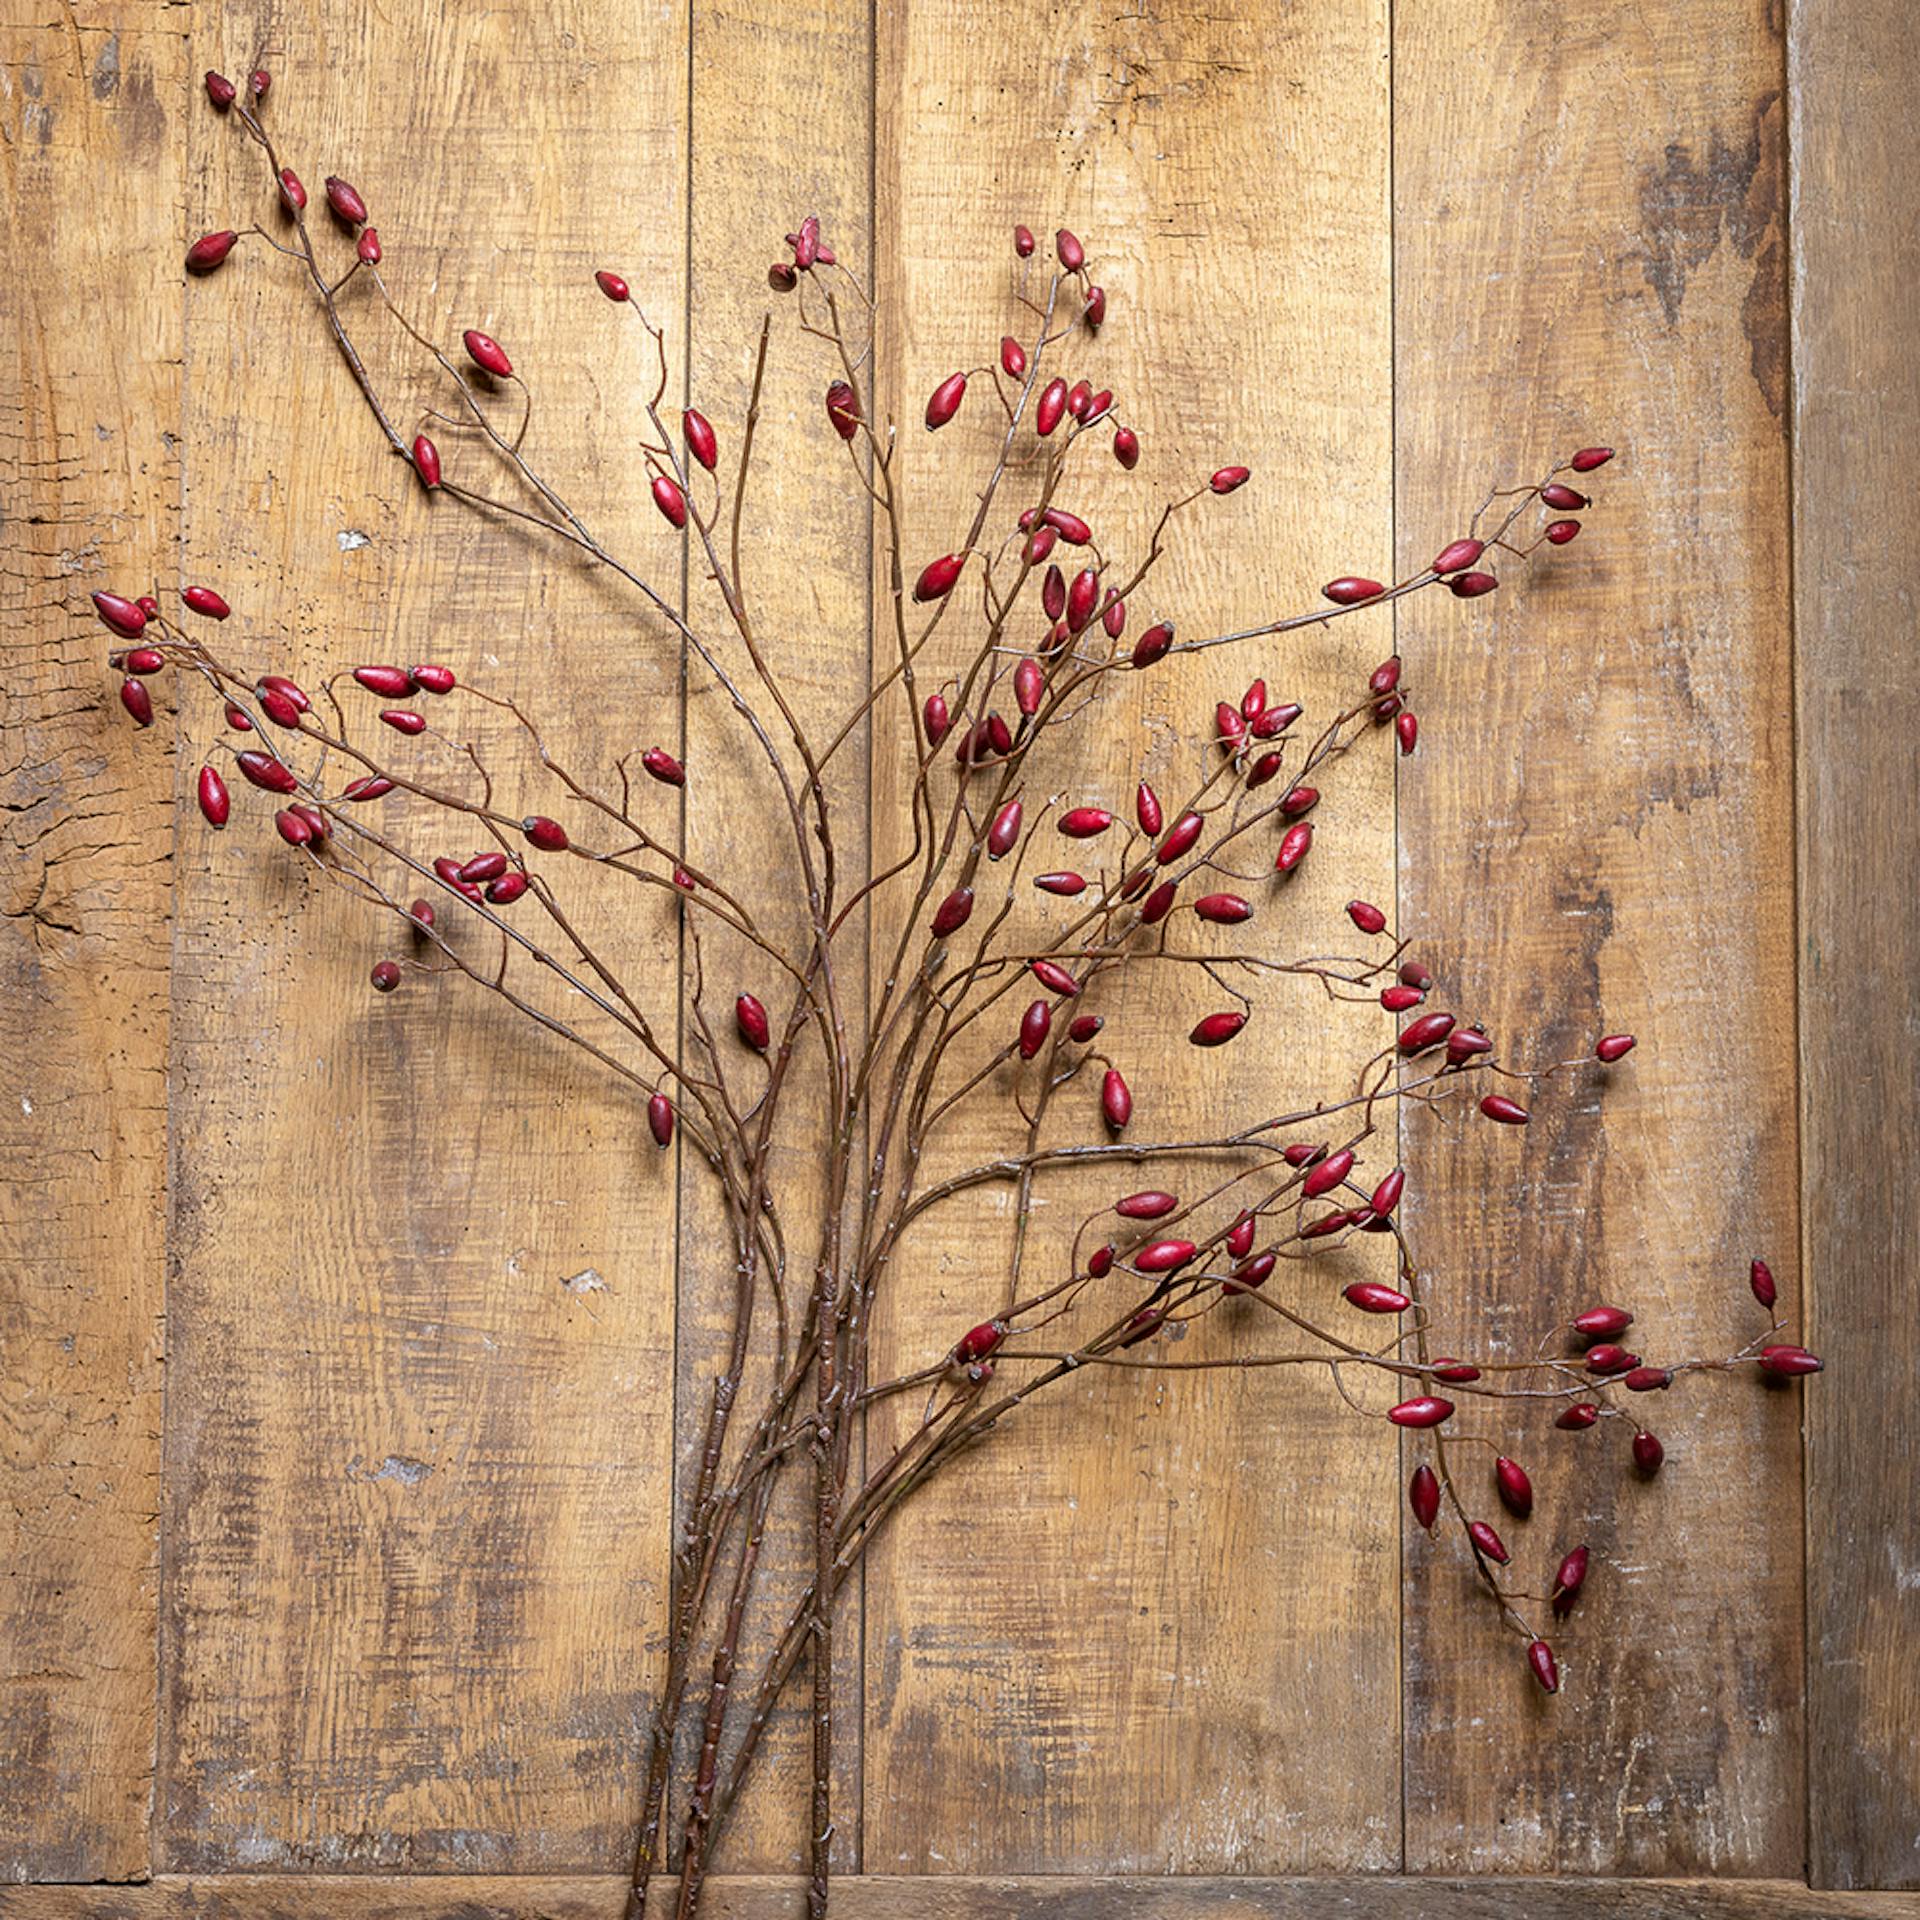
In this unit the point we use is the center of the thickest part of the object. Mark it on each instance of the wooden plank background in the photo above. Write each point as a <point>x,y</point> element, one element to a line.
<point>372,1588</point>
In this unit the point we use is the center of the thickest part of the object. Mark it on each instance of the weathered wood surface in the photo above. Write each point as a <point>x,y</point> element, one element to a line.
<point>1857,585</point>
<point>952,1897</point>
<point>90,332</point>
<point>1601,838</point>
<point>1152,1625</point>
<point>805,69</point>
<point>419,1436</point>
<point>435,1338</point>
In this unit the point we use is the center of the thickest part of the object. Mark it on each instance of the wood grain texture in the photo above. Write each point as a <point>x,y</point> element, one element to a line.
<point>951,1897</point>
<point>1597,835</point>
<point>781,105</point>
<point>1151,1624</point>
<point>1852,72</point>
<point>90,334</point>
<point>440,1323</point>
<point>419,1435</point>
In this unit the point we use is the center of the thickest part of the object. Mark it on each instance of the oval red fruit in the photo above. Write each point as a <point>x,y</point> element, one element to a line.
<point>1509,1113</point>
<point>843,409</point>
<point>1351,588</point>
<point>751,1019</point>
<point>268,774</point>
<point>1294,846</point>
<point>215,802</point>
<point>1423,1410</point>
<point>1005,830</point>
<point>124,616</point>
<point>1328,1173</point>
<point>937,577</point>
<point>1789,1363</point>
<point>1516,1490</point>
<point>1164,1256</point>
<point>1488,1542</point>
<point>660,1120</point>
<point>1545,1668</point>
<point>1590,457</point>
<point>1034,1024</point>
<point>1116,1100</point>
<point>1457,555</point>
<point>1083,823</point>
<point>1429,1030</point>
<point>204,600</point>
<point>953,912</point>
<point>1366,916</point>
<point>1370,1297</point>
<point>1217,1029</point>
<point>702,442</point>
<point>487,353</point>
<point>210,251</point>
<point>668,497</point>
<point>1602,1323</point>
<point>1223,909</point>
<point>1153,645</point>
<point>1230,479</point>
<point>944,402</point>
<point>345,201</point>
<point>1568,1580</point>
<point>1423,1495</point>
<point>1616,1046</point>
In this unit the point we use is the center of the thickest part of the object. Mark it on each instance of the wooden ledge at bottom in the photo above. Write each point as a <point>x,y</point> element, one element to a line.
<point>937,1897</point>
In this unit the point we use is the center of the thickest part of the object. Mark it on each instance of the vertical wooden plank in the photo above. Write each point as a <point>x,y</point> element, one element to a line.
<point>90,328</point>
<point>1597,835</point>
<point>1852,69</point>
<point>781,107</point>
<point>1150,1626</point>
<point>419,1437</point>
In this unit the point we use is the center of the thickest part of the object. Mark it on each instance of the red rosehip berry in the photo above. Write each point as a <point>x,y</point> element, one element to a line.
<point>487,354</point>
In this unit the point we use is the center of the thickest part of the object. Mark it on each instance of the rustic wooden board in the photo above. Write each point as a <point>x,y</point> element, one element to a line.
<point>441,1322</point>
<point>950,1897</point>
<point>419,1439</point>
<point>781,105</point>
<point>1856,415</point>
<point>1598,835</point>
<point>90,334</point>
<point>1152,1624</point>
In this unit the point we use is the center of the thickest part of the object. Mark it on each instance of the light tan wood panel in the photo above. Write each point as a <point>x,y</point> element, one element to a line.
<point>90,330</point>
<point>1152,1623</point>
<point>1597,835</point>
<point>1856,413</point>
<point>782,118</point>
<point>419,1436</point>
